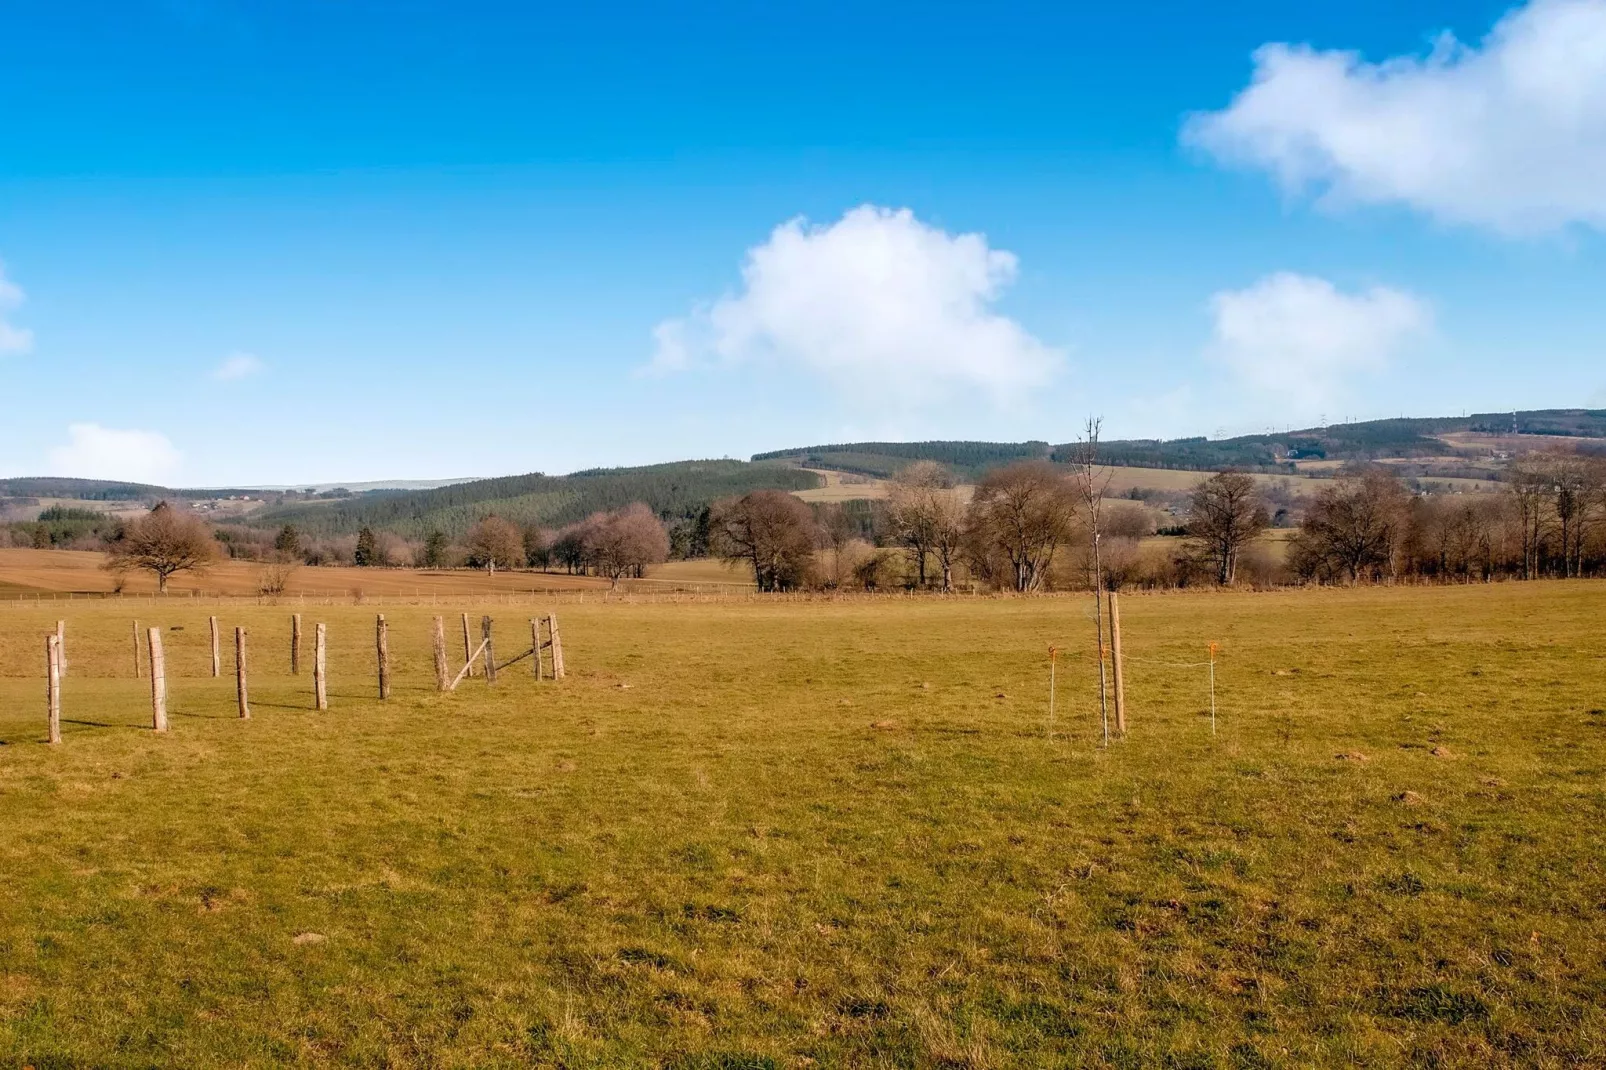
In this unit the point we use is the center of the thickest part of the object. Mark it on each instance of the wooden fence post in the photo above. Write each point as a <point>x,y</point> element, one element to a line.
<point>295,644</point>
<point>158,665</point>
<point>468,647</point>
<point>558,671</point>
<point>535,646</point>
<point>61,647</point>
<point>1120,674</point>
<point>239,674</point>
<point>382,647</point>
<point>53,686</point>
<point>138,672</point>
<point>217,653</point>
<point>442,672</point>
<point>320,683</point>
<point>490,651</point>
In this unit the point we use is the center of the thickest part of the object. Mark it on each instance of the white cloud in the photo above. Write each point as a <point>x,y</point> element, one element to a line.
<point>1510,134</point>
<point>1300,340</point>
<point>12,339</point>
<point>878,303</point>
<point>95,452</point>
<point>237,366</point>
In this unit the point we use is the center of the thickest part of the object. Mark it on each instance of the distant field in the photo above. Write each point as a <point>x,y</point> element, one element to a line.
<point>62,571</point>
<point>841,487</point>
<point>777,834</point>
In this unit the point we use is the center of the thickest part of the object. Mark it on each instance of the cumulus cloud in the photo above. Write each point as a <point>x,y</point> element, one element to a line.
<point>12,339</point>
<point>237,366</point>
<point>1300,339</point>
<point>1509,134</point>
<point>96,452</point>
<point>877,301</point>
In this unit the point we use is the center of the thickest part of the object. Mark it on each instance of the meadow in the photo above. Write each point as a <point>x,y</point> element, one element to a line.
<point>29,574</point>
<point>820,833</point>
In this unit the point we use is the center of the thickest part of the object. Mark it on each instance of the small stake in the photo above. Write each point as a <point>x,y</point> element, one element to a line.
<point>239,674</point>
<point>295,644</point>
<point>1053,664</point>
<point>468,647</point>
<point>1120,670</point>
<point>320,665</point>
<point>61,647</point>
<point>53,686</point>
<point>558,670</point>
<point>490,650</point>
<point>442,671</point>
<point>158,682</point>
<point>138,672</point>
<point>382,647</point>
<point>1213,647</point>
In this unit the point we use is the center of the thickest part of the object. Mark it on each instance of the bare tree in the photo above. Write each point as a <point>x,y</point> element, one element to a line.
<point>1353,529</point>
<point>839,537</point>
<point>1226,514</point>
<point>927,518</point>
<point>163,542</point>
<point>1018,517</point>
<point>494,543</point>
<point>1092,480</point>
<point>770,531</point>
<point>624,541</point>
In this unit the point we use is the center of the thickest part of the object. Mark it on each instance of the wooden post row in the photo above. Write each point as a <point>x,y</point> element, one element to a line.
<point>382,648</point>
<point>53,686</point>
<point>320,683</point>
<point>217,653</point>
<point>295,644</point>
<point>442,670</point>
<point>158,665</point>
<point>490,652</point>
<point>239,674</point>
<point>1120,674</point>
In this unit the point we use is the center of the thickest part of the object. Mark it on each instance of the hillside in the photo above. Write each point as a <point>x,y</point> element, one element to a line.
<point>1443,443</point>
<point>678,489</point>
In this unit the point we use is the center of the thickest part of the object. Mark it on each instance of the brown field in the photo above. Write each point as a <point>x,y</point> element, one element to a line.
<point>25,572</point>
<point>1122,480</point>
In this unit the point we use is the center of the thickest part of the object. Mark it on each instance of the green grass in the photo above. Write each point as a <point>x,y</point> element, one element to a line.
<point>698,852</point>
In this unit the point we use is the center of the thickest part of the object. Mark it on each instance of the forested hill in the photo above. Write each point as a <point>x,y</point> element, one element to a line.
<point>1369,440</point>
<point>101,490</point>
<point>678,489</point>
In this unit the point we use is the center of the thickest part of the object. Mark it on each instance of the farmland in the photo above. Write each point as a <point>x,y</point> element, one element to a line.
<point>821,833</point>
<point>43,573</point>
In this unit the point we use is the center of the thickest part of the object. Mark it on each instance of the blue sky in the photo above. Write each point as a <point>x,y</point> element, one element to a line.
<point>300,241</point>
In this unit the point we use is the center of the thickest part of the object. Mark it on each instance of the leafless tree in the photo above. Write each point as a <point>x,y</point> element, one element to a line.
<point>163,542</point>
<point>1226,514</point>
<point>839,537</point>
<point>1353,529</point>
<point>494,543</point>
<point>771,532</point>
<point>624,542</point>
<point>927,518</point>
<point>1092,480</point>
<point>1018,518</point>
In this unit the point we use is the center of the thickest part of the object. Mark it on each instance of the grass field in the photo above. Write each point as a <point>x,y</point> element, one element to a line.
<point>25,572</point>
<point>832,834</point>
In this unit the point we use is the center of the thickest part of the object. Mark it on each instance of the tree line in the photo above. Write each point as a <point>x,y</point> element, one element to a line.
<point>1025,527</point>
